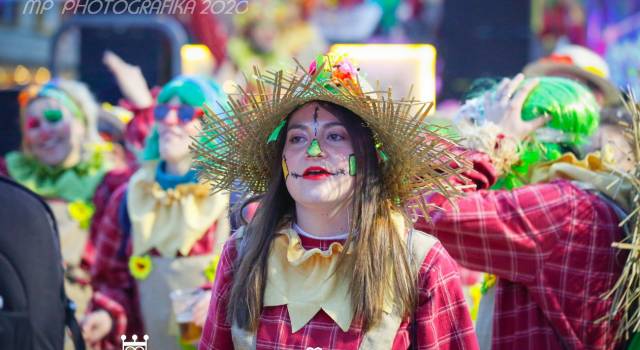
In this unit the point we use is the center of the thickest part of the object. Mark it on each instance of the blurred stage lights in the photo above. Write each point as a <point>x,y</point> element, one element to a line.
<point>197,60</point>
<point>22,75</point>
<point>397,65</point>
<point>42,76</point>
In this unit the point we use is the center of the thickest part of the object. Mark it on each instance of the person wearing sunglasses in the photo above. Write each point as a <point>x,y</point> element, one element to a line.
<point>161,230</point>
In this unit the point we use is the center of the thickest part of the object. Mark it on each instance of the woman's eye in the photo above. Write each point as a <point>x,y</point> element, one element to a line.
<point>335,137</point>
<point>296,139</point>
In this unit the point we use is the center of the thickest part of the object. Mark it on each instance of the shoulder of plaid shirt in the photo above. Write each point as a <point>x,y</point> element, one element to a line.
<point>442,317</point>
<point>114,289</point>
<point>550,246</point>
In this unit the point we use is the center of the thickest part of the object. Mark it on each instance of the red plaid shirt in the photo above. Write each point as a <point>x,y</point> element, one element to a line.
<point>115,290</point>
<point>550,246</point>
<point>442,318</point>
<point>110,183</point>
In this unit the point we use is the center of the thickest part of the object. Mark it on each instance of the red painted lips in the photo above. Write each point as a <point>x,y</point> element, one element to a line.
<point>316,173</point>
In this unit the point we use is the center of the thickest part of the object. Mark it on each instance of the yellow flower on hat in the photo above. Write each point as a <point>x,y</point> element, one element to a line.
<point>140,266</point>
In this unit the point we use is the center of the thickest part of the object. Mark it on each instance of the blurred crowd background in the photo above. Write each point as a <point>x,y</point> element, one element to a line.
<point>466,40</point>
<point>139,58</point>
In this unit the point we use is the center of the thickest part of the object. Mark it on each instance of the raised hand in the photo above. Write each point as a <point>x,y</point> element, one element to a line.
<point>504,106</point>
<point>130,80</point>
<point>96,326</point>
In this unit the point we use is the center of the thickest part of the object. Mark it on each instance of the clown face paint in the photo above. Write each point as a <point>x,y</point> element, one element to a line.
<point>51,133</point>
<point>175,136</point>
<point>317,178</point>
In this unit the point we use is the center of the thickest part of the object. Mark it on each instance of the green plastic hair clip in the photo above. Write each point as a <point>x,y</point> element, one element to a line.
<point>53,115</point>
<point>273,137</point>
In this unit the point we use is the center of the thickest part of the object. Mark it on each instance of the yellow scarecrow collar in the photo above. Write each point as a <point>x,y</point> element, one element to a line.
<point>306,282</point>
<point>591,170</point>
<point>172,220</point>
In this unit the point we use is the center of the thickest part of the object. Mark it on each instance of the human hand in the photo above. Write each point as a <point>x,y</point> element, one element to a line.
<point>130,80</point>
<point>96,326</point>
<point>504,107</point>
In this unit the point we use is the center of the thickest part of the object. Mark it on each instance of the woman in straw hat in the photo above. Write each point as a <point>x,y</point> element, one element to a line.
<point>330,260</point>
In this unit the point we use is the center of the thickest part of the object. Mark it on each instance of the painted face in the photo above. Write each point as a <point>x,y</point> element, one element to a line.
<point>175,132</point>
<point>316,158</point>
<point>614,146</point>
<point>51,133</point>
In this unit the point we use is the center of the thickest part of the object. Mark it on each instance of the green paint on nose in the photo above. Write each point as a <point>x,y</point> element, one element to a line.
<point>53,115</point>
<point>314,149</point>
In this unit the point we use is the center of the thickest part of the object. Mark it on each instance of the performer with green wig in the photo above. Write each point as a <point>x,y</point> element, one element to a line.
<point>570,109</point>
<point>546,243</point>
<point>161,231</point>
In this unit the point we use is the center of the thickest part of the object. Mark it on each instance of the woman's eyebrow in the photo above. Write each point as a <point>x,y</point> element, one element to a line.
<point>328,125</point>
<point>305,127</point>
<point>298,126</point>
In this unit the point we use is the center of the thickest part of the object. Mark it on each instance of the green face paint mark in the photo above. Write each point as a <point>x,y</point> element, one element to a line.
<point>53,115</point>
<point>276,132</point>
<point>314,149</point>
<point>352,165</point>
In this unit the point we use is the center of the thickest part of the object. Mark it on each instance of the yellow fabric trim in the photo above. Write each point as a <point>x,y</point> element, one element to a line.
<point>595,70</point>
<point>170,221</point>
<point>591,170</point>
<point>305,281</point>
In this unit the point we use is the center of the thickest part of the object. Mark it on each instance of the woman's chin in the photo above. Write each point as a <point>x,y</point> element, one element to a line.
<point>51,158</point>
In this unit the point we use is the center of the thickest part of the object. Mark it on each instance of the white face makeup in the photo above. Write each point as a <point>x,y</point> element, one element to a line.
<point>51,133</point>
<point>316,158</point>
<point>175,136</point>
<point>615,146</point>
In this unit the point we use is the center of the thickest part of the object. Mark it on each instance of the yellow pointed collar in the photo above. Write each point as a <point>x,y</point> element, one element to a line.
<point>305,281</point>
<point>172,220</point>
<point>592,170</point>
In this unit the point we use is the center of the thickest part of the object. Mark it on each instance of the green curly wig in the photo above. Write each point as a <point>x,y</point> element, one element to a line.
<point>573,111</point>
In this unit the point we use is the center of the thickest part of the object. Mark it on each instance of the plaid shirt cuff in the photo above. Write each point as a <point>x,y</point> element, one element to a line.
<point>118,315</point>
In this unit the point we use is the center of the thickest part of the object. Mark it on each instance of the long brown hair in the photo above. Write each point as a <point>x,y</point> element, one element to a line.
<point>378,259</point>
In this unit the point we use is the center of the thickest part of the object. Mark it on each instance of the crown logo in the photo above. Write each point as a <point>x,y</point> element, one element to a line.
<point>134,344</point>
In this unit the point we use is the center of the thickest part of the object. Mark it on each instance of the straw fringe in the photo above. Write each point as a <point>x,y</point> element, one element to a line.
<point>626,291</point>
<point>232,151</point>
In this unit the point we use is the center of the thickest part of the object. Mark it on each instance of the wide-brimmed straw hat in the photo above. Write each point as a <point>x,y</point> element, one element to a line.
<point>234,150</point>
